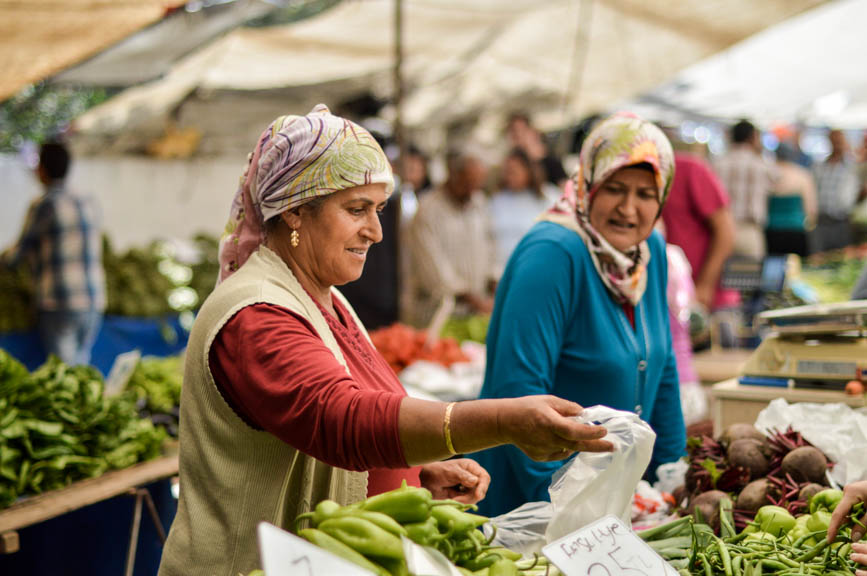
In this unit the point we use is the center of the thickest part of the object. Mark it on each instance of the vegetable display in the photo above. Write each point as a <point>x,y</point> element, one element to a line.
<point>369,534</point>
<point>775,543</point>
<point>56,427</point>
<point>402,345</point>
<point>782,469</point>
<point>832,275</point>
<point>473,328</point>
<point>156,383</point>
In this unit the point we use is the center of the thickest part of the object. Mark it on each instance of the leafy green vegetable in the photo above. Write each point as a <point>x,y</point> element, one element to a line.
<point>56,428</point>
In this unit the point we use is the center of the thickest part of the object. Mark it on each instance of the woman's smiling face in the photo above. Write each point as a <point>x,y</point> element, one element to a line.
<point>335,237</point>
<point>625,206</point>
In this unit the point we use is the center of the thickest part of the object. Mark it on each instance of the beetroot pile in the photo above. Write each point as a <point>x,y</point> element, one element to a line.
<point>781,469</point>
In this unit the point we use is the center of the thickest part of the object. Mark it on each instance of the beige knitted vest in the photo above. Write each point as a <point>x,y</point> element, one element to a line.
<point>231,476</point>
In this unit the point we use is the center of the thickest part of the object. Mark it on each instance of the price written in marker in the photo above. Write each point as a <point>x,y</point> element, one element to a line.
<point>606,547</point>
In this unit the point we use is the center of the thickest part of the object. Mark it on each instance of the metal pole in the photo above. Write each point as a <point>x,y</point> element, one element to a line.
<point>133,537</point>
<point>400,141</point>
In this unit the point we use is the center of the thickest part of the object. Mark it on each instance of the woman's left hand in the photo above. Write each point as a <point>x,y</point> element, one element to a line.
<point>462,480</point>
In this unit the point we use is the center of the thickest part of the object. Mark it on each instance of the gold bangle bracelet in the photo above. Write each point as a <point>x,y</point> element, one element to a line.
<point>447,431</point>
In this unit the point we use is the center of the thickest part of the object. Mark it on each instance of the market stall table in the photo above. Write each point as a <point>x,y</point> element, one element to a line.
<point>732,403</point>
<point>37,509</point>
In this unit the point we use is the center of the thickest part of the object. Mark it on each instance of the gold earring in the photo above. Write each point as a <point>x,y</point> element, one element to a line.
<point>293,238</point>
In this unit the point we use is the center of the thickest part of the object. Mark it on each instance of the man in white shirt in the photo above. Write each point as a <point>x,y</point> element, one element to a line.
<point>452,253</point>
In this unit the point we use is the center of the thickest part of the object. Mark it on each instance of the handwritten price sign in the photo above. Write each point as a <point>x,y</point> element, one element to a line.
<point>284,554</point>
<point>606,548</point>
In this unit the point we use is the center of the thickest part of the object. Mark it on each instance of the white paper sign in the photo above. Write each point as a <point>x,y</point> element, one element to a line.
<point>425,561</point>
<point>121,370</point>
<point>606,548</point>
<point>284,554</point>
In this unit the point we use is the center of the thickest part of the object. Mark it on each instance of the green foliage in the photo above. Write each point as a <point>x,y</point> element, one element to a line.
<point>158,381</point>
<point>473,328</point>
<point>56,427</point>
<point>16,305</point>
<point>41,111</point>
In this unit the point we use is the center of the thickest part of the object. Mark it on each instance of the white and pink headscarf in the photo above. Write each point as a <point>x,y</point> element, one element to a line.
<point>295,160</point>
<point>618,142</point>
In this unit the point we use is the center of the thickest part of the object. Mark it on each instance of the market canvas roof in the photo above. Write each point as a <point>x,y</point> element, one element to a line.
<point>39,38</point>
<point>560,59</point>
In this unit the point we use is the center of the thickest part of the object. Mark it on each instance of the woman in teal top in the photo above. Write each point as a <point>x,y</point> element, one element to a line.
<point>581,308</point>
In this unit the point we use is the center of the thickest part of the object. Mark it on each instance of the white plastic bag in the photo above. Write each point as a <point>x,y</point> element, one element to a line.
<point>522,529</point>
<point>835,429</point>
<point>594,484</point>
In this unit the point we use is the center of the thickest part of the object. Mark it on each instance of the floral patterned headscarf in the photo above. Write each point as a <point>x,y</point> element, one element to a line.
<point>295,160</point>
<point>619,141</point>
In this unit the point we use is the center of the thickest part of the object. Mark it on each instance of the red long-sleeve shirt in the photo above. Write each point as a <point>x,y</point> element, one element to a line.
<point>278,375</point>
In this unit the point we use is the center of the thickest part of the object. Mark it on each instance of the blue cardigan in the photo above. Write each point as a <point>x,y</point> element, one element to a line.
<point>556,330</point>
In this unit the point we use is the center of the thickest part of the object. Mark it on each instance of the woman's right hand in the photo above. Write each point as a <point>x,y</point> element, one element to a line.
<point>544,429</point>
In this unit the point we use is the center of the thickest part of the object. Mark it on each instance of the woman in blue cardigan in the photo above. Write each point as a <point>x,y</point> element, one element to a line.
<point>581,308</point>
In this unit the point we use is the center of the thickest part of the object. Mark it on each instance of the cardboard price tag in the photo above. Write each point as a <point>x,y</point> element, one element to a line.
<point>606,548</point>
<point>284,554</point>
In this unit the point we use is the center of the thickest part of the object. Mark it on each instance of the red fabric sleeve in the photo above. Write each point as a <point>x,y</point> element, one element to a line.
<point>278,375</point>
<point>707,194</point>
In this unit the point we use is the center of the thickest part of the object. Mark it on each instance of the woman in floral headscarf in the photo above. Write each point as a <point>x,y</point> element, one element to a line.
<point>581,310</point>
<point>285,401</point>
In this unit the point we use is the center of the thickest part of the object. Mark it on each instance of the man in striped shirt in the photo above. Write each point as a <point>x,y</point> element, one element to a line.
<point>748,180</point>
<point>61,242</point>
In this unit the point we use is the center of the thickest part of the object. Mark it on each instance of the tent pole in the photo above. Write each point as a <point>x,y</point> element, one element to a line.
<point>578,62</point>
<point>398,87</point>
<point>400,140</point>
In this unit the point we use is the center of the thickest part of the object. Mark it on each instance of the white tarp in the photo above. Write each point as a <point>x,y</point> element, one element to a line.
<point>808,69</point>
<point>463,59</point>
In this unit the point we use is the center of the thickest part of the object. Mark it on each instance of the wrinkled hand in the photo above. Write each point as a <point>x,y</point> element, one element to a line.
<point>461,479</point>
<point>852,494</point>
<point>543,428</point>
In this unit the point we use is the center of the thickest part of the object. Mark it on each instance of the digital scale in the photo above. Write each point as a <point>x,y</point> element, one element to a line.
<point>820,346</point>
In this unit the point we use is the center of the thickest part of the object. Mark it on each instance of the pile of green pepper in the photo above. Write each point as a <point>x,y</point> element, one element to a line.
<point>56,427</point>
<point>369,533</point>
<point>774,543</point>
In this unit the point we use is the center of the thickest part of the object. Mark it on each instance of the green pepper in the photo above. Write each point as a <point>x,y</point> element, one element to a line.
<point>800,529</point>
<point>323,511</point>
<point>503,567</point>
<point>424,533</point>
<point>340,549</point>
<point>826,500</point>
<point>448,517</point>
<point>395,567</point>
<point>406,504</point>
<point>364,536</point>
<point>490,556</point>
<point>773,519</point>
<point>819,520</point>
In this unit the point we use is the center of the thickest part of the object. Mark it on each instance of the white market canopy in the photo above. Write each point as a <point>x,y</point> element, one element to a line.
<point>810,69</point>
<point>559,59</point>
